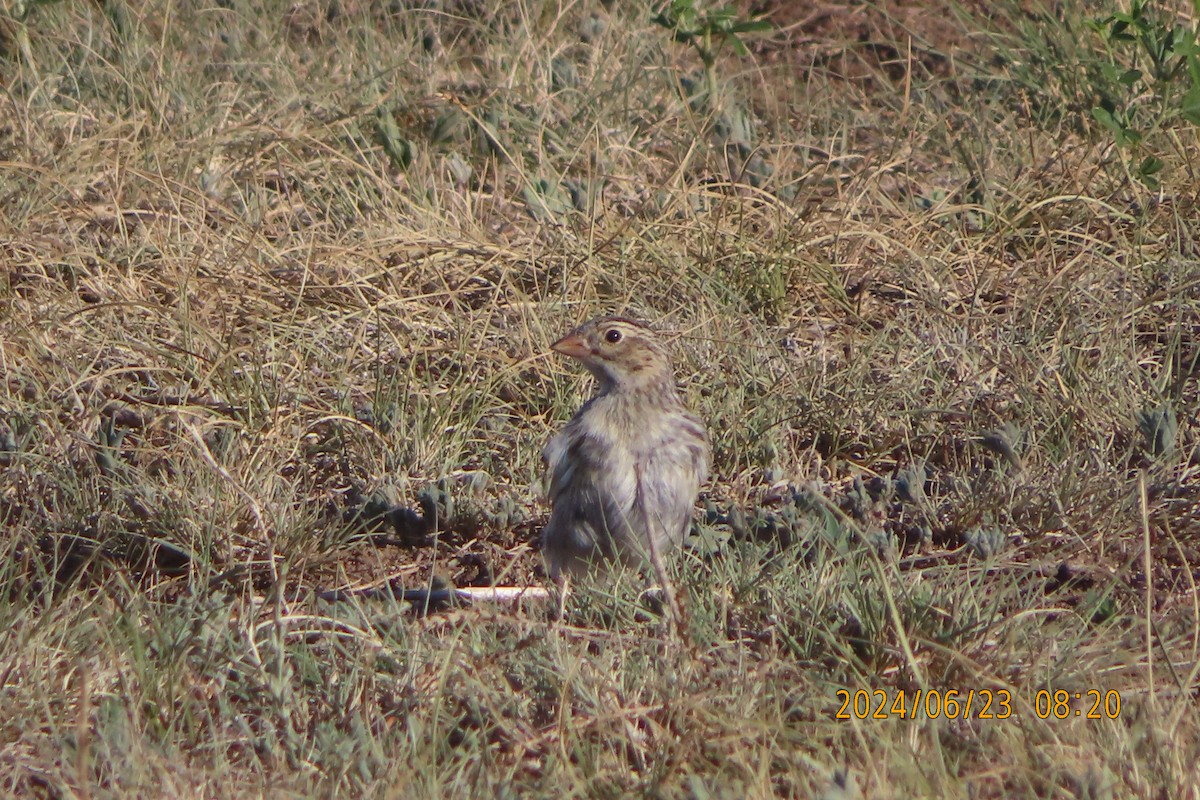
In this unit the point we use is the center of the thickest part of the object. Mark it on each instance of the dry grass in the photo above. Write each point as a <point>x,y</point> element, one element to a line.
<point>272,270</point>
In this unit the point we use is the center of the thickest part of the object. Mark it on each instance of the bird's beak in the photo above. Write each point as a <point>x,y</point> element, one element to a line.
<point>572,345</point>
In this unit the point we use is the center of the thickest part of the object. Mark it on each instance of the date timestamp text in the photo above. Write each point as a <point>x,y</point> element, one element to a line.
<point>974,703</point>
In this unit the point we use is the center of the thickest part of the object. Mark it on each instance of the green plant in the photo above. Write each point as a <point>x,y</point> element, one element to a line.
<point>1134,72</point>
<point>707,31</point>
<point>1150,79</point>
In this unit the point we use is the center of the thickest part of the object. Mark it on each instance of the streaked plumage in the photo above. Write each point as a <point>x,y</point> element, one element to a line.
<point>622,476</point>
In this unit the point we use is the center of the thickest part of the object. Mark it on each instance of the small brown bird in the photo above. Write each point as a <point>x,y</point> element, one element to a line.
<point>623,474</point>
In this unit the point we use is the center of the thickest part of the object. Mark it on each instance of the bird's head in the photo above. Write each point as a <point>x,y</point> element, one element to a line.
<point>621,353</point>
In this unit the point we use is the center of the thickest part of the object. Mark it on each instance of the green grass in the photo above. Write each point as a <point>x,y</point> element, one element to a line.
<point>267,268</point>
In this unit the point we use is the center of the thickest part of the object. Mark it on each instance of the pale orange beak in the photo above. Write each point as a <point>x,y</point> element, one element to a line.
<point>572,345</point>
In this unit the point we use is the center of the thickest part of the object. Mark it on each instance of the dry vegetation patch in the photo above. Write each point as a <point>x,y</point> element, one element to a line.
<point>277,284</point>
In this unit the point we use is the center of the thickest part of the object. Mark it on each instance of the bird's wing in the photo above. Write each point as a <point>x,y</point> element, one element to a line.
<point>583,467</point>
<point>592,499</point>
<point>555,462</point>
<point>668,477</point>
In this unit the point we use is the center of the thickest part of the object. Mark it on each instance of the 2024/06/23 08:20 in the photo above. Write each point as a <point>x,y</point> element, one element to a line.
<point>986,703</point>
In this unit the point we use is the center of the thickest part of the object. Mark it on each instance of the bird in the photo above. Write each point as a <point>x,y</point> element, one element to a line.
<point>623,475</point>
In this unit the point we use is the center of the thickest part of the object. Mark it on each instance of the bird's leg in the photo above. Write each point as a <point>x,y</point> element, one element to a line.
<point>660,572</point>
<point>563,584</point>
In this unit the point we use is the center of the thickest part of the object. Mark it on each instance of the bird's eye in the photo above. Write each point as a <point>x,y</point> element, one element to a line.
<point>612,336</point>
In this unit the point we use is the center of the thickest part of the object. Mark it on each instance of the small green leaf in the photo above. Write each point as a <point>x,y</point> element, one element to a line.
<point>546,200</point>
<point>1147,170</point>
<point>722,16</point>
<point>1105,118</point>
<point>751,26</point>
<point>449,126</point>
<point>1187,46</point>
<point>1150,166</point>
<point>1102,606</point>
<point>399,149</point>
<point>1117,31</point>
<point>108,450</point>
<point>1149,181</point>
<point>1124,136</point>
<point>1159,428</point>
<point>1189,106</point>
<point>459,170</point>
<point>985,542</point>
